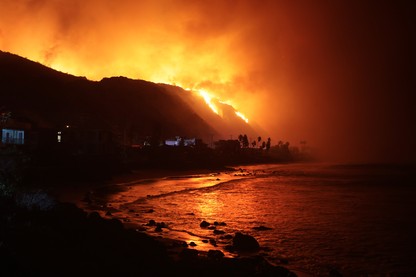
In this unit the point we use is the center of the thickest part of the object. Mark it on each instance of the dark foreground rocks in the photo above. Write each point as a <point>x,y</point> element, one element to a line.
<point>64,240</point>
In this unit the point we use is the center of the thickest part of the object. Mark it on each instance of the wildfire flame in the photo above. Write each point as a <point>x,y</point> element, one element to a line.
<point>208,100</point>
<point>242,116</point>
<point>181,47</point>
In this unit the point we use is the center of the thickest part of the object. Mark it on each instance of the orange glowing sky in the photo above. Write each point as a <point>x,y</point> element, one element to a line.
<point>324,72</point>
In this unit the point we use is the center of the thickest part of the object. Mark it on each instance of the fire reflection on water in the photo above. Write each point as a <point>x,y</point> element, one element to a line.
<point>209,205</point>
<point>318,216</point>
<point>137,203</point>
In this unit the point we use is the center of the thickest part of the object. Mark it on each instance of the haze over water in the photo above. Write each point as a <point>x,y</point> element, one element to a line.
<point>357,219</point>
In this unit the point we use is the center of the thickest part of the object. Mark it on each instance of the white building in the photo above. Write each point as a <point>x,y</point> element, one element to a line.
<point>12,136</point>
<point>177,141</point>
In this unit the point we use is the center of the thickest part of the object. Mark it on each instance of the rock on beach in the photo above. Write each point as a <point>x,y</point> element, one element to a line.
<point>68,241</point>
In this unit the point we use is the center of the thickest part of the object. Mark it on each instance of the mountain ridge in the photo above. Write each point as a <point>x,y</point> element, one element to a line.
<point>139,106</point>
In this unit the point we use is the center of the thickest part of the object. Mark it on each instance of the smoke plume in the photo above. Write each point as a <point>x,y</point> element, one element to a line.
<point>336,74</point>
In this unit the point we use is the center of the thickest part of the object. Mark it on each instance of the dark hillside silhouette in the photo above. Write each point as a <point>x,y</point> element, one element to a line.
<point>57,98</point>
<point>94,129</point>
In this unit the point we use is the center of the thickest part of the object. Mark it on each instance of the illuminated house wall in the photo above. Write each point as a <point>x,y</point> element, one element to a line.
<point>11,136</point>
<point>178,141</point>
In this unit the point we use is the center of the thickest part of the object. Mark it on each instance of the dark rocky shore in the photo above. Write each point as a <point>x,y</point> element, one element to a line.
<point>42,237</point>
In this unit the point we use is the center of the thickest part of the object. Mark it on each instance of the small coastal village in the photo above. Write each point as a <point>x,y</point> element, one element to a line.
<point>84,142</point>
<point>88,136</point>
<point>41,235</point>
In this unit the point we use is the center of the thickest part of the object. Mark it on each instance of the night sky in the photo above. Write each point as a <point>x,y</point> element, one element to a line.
<point>338,74</point>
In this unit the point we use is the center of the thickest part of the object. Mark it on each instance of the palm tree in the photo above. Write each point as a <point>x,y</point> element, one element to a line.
<point>245,141</point>
<point>258,141</point>
<point>241,140</point>
<point>268,143</point>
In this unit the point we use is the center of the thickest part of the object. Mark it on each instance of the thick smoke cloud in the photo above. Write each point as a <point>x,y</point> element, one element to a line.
<point>336,74</point>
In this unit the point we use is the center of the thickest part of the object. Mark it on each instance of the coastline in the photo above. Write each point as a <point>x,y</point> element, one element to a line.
<point>66,239</point>
<point>100,201</point>
<point>76,191</point>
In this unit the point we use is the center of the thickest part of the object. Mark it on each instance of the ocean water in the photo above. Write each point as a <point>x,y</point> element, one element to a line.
<point>359,220</point>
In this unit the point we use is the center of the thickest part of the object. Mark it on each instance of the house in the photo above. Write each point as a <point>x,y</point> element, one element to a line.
<point>179,141</point>
<point>12,136</point>
<point>13,130</point>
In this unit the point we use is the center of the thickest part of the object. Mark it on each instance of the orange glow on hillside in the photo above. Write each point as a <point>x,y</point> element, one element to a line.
<point>213,48</point>
<point>298,70</point>
<point>146,42</point>
<point>242,116</point>
<point>208,100</point>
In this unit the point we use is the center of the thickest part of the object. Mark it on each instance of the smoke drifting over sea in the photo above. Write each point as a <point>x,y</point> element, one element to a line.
<point>337,74</point>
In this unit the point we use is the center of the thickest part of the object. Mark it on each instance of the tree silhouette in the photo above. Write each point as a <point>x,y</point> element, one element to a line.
<point>240,139</point>
<point>268,143</point>
<point>245,141</point>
